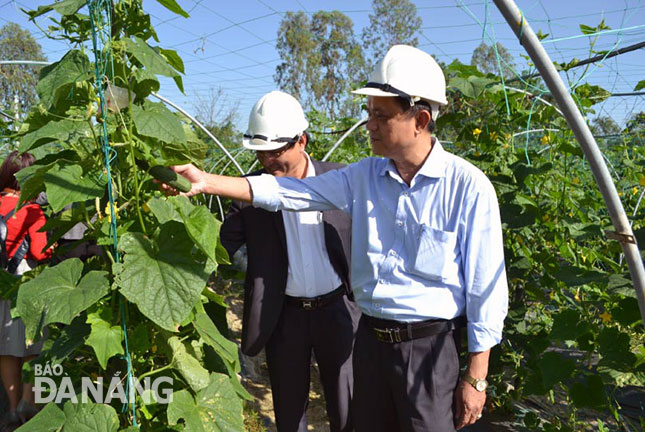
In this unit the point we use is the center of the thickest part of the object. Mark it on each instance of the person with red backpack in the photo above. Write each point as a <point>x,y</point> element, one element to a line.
<point>23,248</point>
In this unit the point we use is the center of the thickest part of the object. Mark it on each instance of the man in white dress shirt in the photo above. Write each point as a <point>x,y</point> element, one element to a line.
<point>296,296</point>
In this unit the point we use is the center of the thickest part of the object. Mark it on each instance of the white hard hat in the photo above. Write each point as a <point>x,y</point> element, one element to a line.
<point>276,120</point>
<point>409,73</point>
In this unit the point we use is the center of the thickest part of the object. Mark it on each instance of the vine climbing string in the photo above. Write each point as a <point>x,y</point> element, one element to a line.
<point>100,17</point>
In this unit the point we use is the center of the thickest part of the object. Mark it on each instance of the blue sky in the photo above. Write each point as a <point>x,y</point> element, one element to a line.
<point>231,44</point>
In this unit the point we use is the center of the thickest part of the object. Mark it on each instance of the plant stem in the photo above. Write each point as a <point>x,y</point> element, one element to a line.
<point>134,167</point>
<point>154,371</point>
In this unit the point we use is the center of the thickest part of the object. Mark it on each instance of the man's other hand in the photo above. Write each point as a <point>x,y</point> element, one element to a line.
<point>469,404</point>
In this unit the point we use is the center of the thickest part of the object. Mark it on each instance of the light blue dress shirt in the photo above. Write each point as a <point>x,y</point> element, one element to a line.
<point>430,250</point>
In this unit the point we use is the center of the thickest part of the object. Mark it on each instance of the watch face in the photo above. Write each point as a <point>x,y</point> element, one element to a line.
<point>481,385</point>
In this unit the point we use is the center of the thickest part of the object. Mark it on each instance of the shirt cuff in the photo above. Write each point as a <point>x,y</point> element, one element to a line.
<point>482,338</point>
<point>265,192</point>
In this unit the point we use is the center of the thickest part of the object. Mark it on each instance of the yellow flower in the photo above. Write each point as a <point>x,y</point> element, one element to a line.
<point>620,194</point>
<point>605,316</point>
<point>575,180</point>
<point>108,211</point>
<point>635,190</point>
<point>552,295</point>
<point>154,349</point>
<point>145,207</point>
<point>545,140</point>
<point>506,145</point>
<point>476,132</point>
<point>577,296</point>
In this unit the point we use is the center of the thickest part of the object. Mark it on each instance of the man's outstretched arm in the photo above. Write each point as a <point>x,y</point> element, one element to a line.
<point>236,188</point>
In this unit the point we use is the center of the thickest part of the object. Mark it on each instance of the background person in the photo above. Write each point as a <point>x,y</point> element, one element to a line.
<point>296,292</point>
<point>427,253</point>
<point>25,223</point>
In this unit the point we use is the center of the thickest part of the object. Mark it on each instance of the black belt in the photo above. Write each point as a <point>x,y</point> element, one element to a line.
<point>389,331</point>
<point>317,302</point>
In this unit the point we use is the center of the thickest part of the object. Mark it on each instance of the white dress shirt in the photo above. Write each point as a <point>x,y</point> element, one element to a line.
<point>310,271</point>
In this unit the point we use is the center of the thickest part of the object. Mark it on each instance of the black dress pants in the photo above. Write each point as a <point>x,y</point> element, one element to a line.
<point>329,331</point>
<point>405,386</point>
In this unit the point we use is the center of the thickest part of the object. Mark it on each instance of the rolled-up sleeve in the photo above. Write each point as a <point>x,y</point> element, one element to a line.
<point>484,270</point>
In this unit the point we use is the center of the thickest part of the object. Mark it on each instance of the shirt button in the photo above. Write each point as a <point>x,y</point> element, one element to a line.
<point>405,194</point>
<point>399,223</point>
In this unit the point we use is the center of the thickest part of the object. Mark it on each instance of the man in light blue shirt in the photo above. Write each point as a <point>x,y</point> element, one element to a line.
<point>427,253</point>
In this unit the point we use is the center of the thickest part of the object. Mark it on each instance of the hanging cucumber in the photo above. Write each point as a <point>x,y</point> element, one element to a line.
<point>168,176</point>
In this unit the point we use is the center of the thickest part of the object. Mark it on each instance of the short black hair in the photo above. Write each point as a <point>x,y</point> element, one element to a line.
<point>413,110</point>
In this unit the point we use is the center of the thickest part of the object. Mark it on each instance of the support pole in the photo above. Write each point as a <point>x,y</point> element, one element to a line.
<point>576,122</point>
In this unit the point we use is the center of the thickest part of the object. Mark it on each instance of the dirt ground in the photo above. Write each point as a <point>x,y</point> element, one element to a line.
<point>255,377</point>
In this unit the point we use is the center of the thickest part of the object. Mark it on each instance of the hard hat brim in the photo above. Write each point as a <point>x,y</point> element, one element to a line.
<point>370,91</point>
<point>261,145</point>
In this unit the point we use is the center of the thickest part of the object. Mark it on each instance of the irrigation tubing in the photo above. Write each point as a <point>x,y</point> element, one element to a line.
<point>539,56</point>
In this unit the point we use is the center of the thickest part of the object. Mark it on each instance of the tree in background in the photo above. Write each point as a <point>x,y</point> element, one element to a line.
<point>604,126</point>
<point>485,59</point>
<point>217,115</point>
<point>17,43</point>
<point>636,126</point>
<point>392,22</point>
<point>320,59</point>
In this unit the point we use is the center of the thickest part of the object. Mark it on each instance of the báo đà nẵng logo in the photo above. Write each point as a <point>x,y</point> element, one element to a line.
<point>52,384</point>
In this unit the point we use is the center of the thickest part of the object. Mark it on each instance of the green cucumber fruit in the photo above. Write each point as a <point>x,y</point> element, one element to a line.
<point>168,176</point>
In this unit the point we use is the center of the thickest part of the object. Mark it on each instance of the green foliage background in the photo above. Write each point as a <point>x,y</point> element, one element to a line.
<point>573,335</point>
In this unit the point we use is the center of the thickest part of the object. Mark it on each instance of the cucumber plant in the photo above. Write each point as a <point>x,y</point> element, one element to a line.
<point>141,309</point>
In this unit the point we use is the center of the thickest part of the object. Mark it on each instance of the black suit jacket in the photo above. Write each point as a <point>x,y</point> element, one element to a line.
<point>268,265</point>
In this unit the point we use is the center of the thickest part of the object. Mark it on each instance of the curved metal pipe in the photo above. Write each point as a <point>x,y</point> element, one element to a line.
<point>340,140</point>
<point>201,126</point>
<point>25,62</point>
<point>545,102</point>
<point>578,125</point>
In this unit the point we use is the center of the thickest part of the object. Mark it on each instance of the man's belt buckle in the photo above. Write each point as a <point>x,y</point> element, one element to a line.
<point>388,335</point>
<point>307,304</point>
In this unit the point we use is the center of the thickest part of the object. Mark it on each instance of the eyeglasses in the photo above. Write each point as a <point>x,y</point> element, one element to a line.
<point>277,152</point>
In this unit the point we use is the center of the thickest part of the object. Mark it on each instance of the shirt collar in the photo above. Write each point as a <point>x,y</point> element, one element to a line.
<point>433,167</point>
<point>311,170</point>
